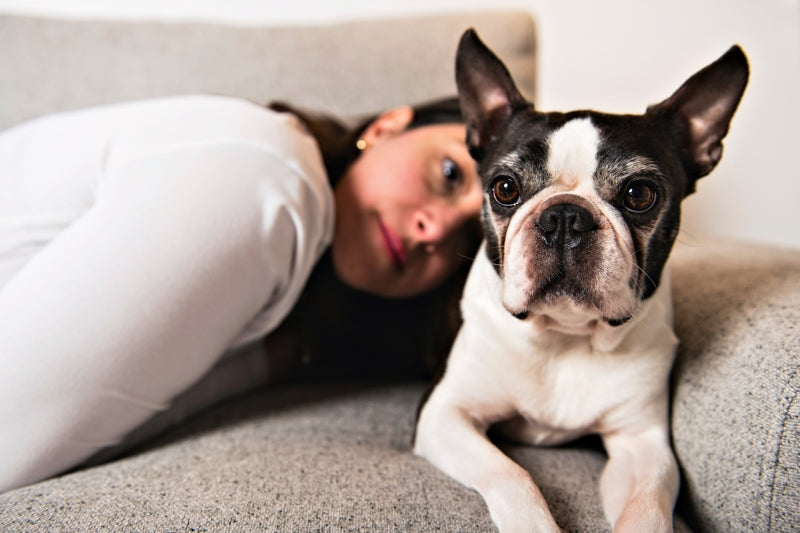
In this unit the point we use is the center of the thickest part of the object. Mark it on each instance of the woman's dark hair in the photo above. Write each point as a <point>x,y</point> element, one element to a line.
<point>337,140</point>
<point>339,332</point>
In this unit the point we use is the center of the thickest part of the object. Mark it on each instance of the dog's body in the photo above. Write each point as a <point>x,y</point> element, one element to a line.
<point>567,311</point>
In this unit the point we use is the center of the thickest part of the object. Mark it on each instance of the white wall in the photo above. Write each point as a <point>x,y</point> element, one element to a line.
<point>616,56</point>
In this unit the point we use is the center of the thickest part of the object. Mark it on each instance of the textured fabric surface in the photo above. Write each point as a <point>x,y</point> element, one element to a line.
<point>735,409</point>
<point>335,458</point>
<point>346,68</point>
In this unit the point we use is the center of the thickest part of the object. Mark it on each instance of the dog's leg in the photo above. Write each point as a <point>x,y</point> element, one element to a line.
<point>457,444</point>
<point>640,482</point>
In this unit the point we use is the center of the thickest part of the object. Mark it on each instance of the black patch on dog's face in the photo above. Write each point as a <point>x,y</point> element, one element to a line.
<point>634,149</point>
<point>521,155</point>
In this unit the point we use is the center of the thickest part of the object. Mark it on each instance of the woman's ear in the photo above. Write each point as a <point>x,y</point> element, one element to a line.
<point>388,124</point>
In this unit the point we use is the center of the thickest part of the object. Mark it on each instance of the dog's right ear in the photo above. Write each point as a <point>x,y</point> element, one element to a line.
<point>486,92</point>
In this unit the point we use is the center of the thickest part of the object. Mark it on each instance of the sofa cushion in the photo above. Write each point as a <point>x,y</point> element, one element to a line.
<point>301,458</point>
<point>348,68</point>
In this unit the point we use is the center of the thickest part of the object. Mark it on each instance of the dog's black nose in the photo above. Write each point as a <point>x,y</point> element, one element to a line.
<point>564,225</point>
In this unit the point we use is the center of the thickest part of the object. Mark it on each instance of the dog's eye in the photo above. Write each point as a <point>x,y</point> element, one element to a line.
<point>639,196</point>
<point>505,191</point>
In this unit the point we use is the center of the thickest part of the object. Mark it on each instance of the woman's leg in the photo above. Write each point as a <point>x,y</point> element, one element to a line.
<point>246,370</point>
<point>136,301</point>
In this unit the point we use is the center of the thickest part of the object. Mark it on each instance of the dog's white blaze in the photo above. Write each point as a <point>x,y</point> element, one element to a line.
<point>572,160</point>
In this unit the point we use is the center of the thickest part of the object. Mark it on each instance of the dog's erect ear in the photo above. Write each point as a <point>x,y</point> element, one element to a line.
<point>486,91</point>
<point>702,108</point>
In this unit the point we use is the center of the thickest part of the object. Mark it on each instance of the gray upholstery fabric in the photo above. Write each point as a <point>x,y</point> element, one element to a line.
<point>334,458</point>
<point>735,412</point>
<point>346,68</point>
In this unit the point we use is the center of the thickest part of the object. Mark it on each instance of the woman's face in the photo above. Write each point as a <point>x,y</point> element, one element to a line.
<point>407,207</point>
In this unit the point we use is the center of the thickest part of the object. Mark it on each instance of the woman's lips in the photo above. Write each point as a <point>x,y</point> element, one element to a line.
<point>394,246</point>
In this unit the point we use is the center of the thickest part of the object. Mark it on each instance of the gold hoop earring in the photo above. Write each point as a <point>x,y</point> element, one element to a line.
<point>361,144</point>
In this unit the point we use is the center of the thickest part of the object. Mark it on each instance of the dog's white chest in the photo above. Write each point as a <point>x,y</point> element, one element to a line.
<point>556,392</point>
<point>550,387</point>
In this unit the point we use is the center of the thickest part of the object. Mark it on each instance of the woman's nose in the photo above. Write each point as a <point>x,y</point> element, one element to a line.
<point>431,225</point>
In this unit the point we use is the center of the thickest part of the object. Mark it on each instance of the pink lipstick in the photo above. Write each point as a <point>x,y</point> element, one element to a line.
<point>394,246</point>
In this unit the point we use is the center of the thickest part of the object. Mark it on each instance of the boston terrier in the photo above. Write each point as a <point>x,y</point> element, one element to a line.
<point>567,318</point>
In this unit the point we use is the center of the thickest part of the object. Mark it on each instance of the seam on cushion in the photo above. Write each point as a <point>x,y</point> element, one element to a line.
<point>789,391</point>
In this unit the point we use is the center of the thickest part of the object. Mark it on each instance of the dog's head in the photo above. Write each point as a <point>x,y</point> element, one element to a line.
<point>581,209</point>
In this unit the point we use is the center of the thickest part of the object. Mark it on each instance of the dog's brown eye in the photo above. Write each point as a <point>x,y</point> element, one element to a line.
<point>505,191</point>
<point>639,197</point>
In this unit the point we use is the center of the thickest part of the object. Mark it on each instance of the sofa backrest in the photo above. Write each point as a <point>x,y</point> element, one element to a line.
<point>347,68</point>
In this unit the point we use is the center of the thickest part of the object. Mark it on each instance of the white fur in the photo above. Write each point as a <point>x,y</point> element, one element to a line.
<point>612,381</point>
<point>572,159</point>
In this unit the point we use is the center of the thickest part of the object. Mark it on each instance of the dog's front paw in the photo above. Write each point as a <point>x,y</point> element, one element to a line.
<point>517,506</point>
<point>638,518</point>
<point>521,523</point>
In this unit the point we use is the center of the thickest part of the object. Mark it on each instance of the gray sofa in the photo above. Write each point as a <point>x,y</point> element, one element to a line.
<point>336,457</point>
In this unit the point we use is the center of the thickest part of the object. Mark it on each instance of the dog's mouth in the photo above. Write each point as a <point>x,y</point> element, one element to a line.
<point>561,287</point>
<point>567,260</point>
<point>583,310</point>
<point>566,291</point>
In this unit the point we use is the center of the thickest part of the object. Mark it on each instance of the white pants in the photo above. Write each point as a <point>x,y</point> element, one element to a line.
<point>120,289</point>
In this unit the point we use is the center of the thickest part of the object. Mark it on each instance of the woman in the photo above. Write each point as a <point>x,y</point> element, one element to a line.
<point>145,247</point>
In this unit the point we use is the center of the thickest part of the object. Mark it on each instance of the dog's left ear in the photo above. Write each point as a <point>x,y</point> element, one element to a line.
<point>701,111</point>
<point>486,91</point>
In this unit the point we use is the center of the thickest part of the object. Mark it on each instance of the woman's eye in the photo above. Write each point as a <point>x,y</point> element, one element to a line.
<point>639,196</point>
<point>451,172</point>
<point>505,191</point>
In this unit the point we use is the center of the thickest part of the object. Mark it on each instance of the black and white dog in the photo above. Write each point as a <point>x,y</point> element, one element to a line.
<point>567,310</point>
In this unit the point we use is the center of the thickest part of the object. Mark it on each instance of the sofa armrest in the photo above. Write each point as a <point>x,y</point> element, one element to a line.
<point>735,414</point>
